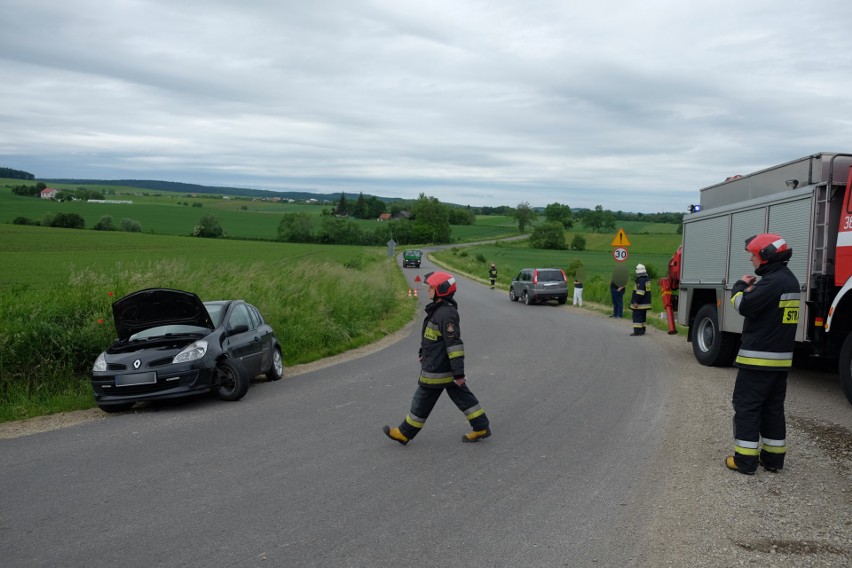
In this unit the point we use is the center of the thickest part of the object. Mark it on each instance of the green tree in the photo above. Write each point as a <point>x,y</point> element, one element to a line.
<point>599,220</point>
<point>558,213</point>
<point>459,216</point>
<point>578,242</point>
<point>375,207</point>
<point>105,224</point>
<point>296,228</point>
<point>334,230</point>
<point>549,235</point>
<point>67,221</point>
<point>342,208</point>
<point>208,227</point>
<point>524,215</point>
<point>130,225</point>
<point>431,220</point>
<point>359,210</point>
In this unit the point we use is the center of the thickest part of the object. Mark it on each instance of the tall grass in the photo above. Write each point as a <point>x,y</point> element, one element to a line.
<point>49,340</point>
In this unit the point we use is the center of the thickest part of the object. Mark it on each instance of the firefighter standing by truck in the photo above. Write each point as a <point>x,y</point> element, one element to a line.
<point>640,303</point>
<point>771,310</point>
<point>441,366</point>
<point>492,274</point>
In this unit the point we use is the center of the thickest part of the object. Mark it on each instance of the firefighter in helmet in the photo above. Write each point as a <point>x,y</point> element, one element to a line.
<point>441,366</point>
<point>492,274</point>
<point>640,303</point>
<point>771,310</point>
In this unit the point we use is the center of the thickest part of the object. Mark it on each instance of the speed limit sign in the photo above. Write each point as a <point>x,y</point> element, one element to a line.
<point>620,254</point>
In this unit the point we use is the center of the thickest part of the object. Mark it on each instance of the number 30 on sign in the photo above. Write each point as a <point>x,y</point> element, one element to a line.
<point>620,254</point>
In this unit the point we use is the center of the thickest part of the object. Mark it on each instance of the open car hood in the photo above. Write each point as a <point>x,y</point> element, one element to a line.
<point>153,307</point>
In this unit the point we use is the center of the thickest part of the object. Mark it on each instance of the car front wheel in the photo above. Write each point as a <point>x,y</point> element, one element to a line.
<point>232,380</point>
<point>276,371</point>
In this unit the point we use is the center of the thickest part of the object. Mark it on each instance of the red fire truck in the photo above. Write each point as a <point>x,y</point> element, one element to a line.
<point>809,203</point>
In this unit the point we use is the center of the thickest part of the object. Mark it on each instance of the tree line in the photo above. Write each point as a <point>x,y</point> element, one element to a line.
<point>15,174</point>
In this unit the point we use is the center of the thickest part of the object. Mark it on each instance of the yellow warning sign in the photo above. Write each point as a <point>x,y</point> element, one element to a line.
<point>620,239</point>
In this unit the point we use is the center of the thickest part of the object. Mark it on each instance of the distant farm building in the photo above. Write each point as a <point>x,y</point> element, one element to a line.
<point>48,193</point>
<point>384,217</point>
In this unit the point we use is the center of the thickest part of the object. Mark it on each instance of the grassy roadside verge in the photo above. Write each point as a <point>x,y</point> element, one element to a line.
<point>318,307</point>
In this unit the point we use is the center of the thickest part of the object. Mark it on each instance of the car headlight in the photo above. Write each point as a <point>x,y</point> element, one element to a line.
<point>100,364</point>
<point>192,352</point>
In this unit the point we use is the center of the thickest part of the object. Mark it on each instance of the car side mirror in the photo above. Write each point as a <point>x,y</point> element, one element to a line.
<point>241,328</point>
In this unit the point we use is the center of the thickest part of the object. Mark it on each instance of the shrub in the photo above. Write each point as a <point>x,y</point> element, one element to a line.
<point>208,227</point>
<point>105,224</point>
<point>130,225</point>
<point>550,235</point>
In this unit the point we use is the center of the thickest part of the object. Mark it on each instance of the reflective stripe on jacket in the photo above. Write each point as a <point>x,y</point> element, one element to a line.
<point>642,293</point>
<point>771,311</point>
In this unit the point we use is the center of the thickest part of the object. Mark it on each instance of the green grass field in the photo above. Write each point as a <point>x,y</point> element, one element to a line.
<point>43,257</point>
<point>174,214</point>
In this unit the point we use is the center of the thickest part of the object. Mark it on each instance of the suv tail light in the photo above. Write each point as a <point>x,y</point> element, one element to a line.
<point>565,278</point>
<point>535,277</point>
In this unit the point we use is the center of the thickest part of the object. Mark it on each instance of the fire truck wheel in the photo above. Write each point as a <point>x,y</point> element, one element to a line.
<point>712,347</point>
<point>845,367</point>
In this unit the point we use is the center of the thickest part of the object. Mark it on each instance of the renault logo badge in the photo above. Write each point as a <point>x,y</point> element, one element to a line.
<point>137,363</point>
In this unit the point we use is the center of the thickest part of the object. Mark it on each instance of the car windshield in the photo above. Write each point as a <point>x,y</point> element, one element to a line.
<point>550,275</point>
<point>168,331</point>
<point>216,311</point>
<point>414,253</point>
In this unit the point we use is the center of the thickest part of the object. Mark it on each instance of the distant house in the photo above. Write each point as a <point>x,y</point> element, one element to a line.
<point>48,193</point>
<point>404,215</point>
<point>384,217</point>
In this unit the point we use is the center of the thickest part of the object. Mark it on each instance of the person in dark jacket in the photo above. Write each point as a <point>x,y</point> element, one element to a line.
<point>441,366</point>
<point>640,302</point>
<point>771,310</point>
<point>492,274</point>
<point>617,293</point>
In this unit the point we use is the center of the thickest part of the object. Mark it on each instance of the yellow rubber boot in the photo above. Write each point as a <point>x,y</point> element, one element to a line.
<point>395,434</point>
<point>476,435</point>
<point>731,464</point>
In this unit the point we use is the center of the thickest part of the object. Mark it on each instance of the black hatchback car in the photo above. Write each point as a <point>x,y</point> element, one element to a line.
<point>171,344</point>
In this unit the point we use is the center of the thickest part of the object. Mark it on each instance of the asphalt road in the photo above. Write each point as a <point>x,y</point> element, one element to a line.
<point>299,473</point>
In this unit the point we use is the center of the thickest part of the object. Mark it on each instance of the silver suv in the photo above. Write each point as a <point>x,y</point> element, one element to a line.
<point>539,285</point>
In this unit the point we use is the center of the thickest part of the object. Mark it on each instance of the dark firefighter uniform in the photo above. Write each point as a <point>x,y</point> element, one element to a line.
<point>442,361</point>
<point>640,302</point>
<point>771,310</point>
<point>492,274</point>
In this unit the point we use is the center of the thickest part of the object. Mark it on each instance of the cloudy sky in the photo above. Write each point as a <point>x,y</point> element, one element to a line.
<point>630,105</point>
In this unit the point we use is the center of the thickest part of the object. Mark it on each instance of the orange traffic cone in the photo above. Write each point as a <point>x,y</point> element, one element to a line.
<point>409,292</point>
<point>415,292</point>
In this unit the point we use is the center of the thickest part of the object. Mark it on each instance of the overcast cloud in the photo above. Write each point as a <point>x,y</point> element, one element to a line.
<point>630,105</point>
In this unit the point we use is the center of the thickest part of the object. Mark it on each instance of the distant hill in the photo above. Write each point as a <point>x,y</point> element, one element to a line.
<point>177,187</point>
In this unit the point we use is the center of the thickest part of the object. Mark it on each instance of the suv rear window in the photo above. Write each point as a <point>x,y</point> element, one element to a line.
<point>550,275</point>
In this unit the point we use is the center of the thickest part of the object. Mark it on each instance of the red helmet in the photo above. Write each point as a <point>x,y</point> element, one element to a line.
<point>443,282</point>
<point>765,246</point>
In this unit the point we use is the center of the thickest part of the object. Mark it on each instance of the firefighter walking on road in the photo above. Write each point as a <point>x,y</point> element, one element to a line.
<point>771,310</point>
<point>441,366</point>
<point>640,303</point>
<point>492,274</point>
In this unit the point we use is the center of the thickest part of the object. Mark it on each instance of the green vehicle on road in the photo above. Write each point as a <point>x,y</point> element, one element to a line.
<point>411,258</point>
